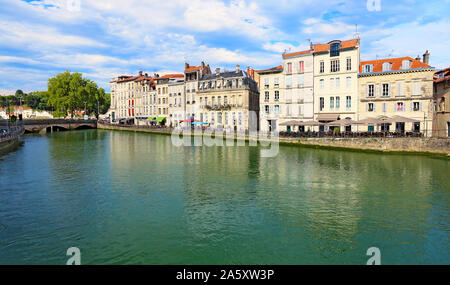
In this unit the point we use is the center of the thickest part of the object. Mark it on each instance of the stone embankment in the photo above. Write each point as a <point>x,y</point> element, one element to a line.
<point>439,146</point>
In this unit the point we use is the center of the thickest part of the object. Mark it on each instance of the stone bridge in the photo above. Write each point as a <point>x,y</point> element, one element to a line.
<point>50,125</point>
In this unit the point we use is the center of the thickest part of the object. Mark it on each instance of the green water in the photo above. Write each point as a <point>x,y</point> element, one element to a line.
<point>131,198</point>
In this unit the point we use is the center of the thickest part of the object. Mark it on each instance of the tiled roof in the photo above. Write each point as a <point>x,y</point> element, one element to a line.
<point>273,69</point>
<point>192,68</point>
<point>326,47</point>
<point>396,64</point>
<point>227,74</point>
<point>296,53</point>
<point>446,76</point>
<point>173,76</point>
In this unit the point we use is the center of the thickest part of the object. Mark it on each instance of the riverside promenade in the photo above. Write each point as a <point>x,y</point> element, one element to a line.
<point>10,139</point>
<point>412,145</point>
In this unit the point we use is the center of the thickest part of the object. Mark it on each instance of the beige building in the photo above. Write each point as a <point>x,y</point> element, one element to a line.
<point>177,101</point>
<point>271,82</point>
<point>336,66</point>
<point>441,119</point>
<point>298,93</point>
<point>225,100</point>
<point>192,75</point>
<point>397,87</point>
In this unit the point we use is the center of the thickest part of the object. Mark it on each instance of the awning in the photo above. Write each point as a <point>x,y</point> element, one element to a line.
<point>160,119</point>
<point>328,117</point>
<point>345,122</point>
<point>151,118</point>
<point>400,119</point>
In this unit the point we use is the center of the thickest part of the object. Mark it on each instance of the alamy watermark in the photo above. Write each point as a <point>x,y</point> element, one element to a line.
<point>191,135</point>
<point>375,254</point>
<point>73,5</point>
<point>75,256</point>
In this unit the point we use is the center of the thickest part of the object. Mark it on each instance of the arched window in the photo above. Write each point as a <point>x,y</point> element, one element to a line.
<point>386,66</point>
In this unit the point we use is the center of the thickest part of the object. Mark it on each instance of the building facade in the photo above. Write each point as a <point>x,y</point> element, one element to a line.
<point>336,67</point>
<point>271,82</point>
<point>177,100</point>
<point>298,101</point>
<point>441,96</point>
<point>226,99</point>
<point>397,87</point>
<point>192,76</point>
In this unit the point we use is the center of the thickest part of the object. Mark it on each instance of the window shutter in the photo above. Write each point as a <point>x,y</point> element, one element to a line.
<point>390,89</point>
<point>380,90</point>
<point>404,106</point>
<point>395,107</point>
<point>411,106</point>
<point>367,107</point>
<point>367,90</point>
<point>374,107</point>
<point>420,106</point>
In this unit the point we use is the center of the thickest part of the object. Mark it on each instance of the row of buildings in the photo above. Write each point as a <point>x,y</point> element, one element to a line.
<point>324,84</point>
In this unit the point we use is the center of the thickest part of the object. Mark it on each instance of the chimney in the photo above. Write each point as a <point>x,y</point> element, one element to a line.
<point>418,57</point>
<point>426,57</point>
<point>310,46</point>
<point>238,68</point>
<point>146,75</point>
<point>217,71</point>
<point>186,65</point>
<point>140,73</point>
<point>203,64</point>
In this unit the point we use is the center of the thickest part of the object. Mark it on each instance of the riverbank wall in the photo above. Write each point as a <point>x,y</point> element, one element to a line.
<point>436,146</point>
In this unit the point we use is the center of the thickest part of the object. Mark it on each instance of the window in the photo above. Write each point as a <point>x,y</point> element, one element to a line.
<point>385,107</point>
<point>349,82</point>
<point>322,83</point>
<point>225,100</point>
<point>322,103</point>
<point>338,102</point>
<point>301,66</point>
<point>277,109</point>
<point>368,68</point>
<point>406,64</point>
<point>331,102</point>
<point>289,67</point>
<point>370,107</point>
<point>276,82</point>
<point>266,96</point>
<point>399,88</point>
<point>349,63</point>
<point>400,107</point>
<point>386,66</point>
<point>416,89</point>
<point>331,83</point>
<point>338,82</point>
<point>416,106</point>
<point>267,109</point>
<point>349,102</point>
<point>219,118</point>
<point>385,90</point>
<point>288,81</point>
<point>322,66</point>
<point>277,95</point>
<point>240,118</point>
<point>226,118</point>
<point>266,82</point>
<point>334,49</point>
<point>300,81</point>
<point>335,65</point>
<point>371,90</point>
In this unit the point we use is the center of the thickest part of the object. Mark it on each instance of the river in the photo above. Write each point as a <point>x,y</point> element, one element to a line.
<point>134,198</point>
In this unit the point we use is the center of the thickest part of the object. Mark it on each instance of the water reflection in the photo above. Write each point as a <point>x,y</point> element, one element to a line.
<point>133,198</point>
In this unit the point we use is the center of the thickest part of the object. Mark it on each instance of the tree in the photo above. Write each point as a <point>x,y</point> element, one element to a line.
<point>68,92</point>
<point>19,93</point>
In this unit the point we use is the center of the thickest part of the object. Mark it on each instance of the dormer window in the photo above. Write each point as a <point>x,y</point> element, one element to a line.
<point>406,64</point>
<point>386,66</point>
<point>368,68</point>
<point>334,49</point>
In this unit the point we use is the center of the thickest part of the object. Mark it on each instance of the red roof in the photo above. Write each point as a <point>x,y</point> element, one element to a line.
<point>396,64</point>
<point>193,68</point>
<point>277,68</point>
<point>446,76</point>
<point>296,53</point>
<point>173,76</point>
<point>326,47</point>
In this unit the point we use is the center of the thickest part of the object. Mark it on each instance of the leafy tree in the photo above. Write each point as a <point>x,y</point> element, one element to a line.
<point>19,93</point>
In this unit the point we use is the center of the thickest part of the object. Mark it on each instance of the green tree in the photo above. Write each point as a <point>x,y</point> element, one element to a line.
<point>19,93</point>
<point>68,92</point>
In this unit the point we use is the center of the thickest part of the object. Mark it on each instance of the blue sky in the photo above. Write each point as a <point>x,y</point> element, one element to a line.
<point>105,38</point>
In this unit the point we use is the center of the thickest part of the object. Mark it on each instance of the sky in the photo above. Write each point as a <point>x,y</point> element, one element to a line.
<point>106,38</point>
